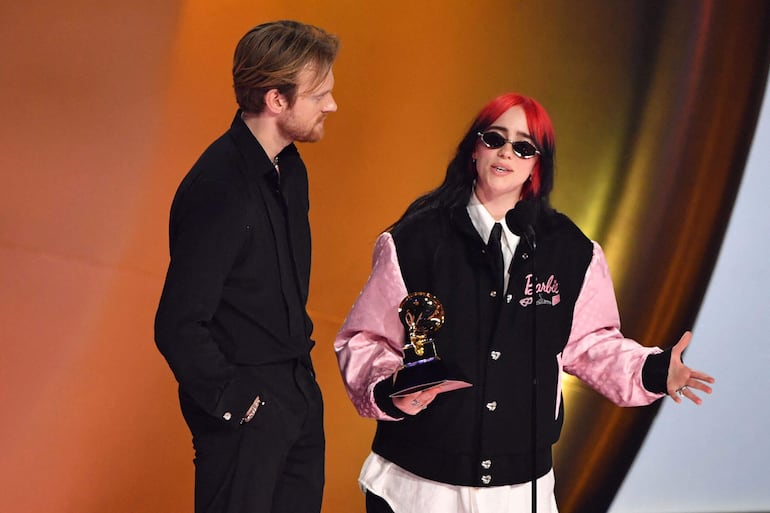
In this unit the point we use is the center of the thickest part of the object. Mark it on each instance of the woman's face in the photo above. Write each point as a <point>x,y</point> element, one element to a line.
<point>501,173</point>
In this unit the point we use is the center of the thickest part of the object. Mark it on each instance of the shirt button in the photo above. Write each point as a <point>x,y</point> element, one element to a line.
<point>486,464</point>
<point>524,256</point>
<point>492,406</point>
<point>493,293</point>
<point>495,355</point>
<point>227,415</point>
<point>486,479</point>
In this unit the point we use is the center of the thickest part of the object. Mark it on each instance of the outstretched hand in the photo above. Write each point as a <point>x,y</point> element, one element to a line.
<point>682,380</point>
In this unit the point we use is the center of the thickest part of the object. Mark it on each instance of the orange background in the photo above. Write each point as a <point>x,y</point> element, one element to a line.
<point>107,104</point>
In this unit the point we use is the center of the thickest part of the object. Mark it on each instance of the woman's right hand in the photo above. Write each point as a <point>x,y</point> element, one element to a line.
<point>413,404</point>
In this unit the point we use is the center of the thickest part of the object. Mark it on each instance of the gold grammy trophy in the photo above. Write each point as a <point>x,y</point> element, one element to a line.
<point>422,315</point>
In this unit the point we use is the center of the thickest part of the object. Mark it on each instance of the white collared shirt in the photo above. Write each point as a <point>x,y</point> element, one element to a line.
<point>483,222</point>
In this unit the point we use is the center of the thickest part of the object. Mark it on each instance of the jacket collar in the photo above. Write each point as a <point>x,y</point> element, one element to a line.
<point>252,151</point>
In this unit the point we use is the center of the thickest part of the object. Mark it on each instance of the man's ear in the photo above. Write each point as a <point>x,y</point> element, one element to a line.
<point>275,102</point>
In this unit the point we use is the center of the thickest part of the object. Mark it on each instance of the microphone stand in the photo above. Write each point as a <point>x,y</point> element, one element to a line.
<point>520,220</point>
<point>529,236</point>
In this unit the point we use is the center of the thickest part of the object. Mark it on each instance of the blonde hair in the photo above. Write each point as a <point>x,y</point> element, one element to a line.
<point>271,56</point>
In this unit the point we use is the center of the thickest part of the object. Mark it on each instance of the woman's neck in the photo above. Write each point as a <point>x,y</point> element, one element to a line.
<point>498,206</point>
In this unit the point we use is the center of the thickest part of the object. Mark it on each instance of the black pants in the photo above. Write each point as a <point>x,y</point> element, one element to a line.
<point>273,464</point>
<point>376,504</point>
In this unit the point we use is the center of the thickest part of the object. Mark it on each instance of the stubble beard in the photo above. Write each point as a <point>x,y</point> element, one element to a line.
<point>295,131</point>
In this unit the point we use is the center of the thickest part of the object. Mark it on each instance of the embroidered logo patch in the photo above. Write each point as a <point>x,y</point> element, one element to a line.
<point>540,292</point>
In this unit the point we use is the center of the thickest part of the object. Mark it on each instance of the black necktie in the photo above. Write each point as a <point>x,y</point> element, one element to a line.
<point>495,251</point>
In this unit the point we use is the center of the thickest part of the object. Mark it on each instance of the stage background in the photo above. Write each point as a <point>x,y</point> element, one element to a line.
<point>106,105</point>
<point>720,449</point>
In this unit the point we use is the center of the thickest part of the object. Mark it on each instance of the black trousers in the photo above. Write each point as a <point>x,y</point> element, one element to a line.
<point>272,464</point>
<point>376,504</point>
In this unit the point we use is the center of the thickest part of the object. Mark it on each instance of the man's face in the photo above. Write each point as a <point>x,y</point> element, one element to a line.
<point>304,121</point>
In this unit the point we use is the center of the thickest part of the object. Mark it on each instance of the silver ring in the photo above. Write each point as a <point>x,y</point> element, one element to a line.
<point>681,390</point>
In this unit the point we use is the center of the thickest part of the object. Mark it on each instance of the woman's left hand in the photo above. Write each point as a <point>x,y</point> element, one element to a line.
<point>682,380</point>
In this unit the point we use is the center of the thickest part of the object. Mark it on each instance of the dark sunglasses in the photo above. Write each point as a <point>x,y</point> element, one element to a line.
<point>522,149</point>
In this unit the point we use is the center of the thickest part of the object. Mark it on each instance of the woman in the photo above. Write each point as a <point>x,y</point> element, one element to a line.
<point>549,307</point>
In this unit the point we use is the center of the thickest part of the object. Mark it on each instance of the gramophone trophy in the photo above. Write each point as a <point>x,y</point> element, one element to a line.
<point>422,315</point>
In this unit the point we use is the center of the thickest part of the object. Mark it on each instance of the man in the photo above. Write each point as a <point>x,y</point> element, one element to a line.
<point>232,322</point>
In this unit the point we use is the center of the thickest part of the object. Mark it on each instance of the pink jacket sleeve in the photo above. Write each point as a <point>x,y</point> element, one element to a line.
<point>596,351</point>
<point>369,343</point>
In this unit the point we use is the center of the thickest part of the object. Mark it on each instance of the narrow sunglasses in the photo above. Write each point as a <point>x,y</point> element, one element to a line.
<point>522,149</point>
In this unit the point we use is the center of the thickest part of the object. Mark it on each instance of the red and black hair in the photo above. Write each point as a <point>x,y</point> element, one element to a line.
<point>461,172</point>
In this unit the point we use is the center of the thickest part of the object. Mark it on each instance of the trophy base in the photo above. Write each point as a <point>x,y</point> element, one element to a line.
<point>424,375</point>
<point>446,386</point>
<point>416,388</point>
<point>418,376</point>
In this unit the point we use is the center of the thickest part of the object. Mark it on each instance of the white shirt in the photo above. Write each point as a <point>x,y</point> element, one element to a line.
<point>483,222</point>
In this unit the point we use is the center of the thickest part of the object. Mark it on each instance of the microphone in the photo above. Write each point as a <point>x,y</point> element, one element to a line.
<point>520,220</point>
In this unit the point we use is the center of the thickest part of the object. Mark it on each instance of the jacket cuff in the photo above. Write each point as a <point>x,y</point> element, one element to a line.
<point>382,391</point>
<point>655,372</point>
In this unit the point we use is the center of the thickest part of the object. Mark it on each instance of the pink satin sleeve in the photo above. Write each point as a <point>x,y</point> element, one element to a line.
<point>368,345</point>
<point>596,351</point>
